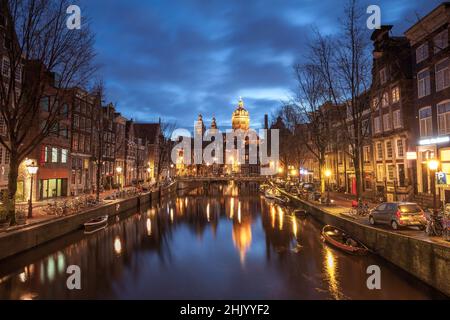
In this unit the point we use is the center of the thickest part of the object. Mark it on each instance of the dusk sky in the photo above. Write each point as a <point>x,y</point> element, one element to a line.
<point>176,59</point>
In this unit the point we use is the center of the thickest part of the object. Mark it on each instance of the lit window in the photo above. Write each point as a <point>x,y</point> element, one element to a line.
<point>64,156</point>
<point>54,155</point>
<point>395,94</point>
<point>377,125</point>
<point>400,149</point>
<point>385,100</point>
<point>389,152</point>
<point>391,172</point>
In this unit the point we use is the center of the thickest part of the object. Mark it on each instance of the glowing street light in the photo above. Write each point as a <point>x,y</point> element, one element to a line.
<point>328,175</point>
<point>32,170</point>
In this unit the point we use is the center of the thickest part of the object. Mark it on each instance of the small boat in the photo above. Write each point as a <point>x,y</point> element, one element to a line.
<point>270,194</point>
<point>300,213</point>
<point>341,240</point>
<point>96,224</point>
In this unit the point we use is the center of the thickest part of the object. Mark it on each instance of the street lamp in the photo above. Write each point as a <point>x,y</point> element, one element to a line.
<point>328,175</point>
<point>433,165</point>
<point>32,170</point>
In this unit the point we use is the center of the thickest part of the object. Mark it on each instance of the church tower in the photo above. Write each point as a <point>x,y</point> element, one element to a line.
<point>199,126</point>
<point>240,118</point>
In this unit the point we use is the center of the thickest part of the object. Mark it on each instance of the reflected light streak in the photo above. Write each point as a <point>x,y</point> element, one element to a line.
<point>272,215</point>
<point>117,245</point>
<point>207,212</point>
<point>294,226</point>
<point>148,224</point>
<point>231,208</point>
<point>239,212</point>
<point>330,265</point>
<point>280,217</point>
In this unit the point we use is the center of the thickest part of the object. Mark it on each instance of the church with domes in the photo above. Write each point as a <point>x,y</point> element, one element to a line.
<point>240,120</point>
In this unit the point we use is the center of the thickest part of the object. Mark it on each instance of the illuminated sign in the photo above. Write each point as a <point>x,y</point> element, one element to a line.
<point>411,155</point>
<point>441,178</point>
<point>436,140</point>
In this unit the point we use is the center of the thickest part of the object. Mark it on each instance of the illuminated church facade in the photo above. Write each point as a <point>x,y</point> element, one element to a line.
<point>239,164</point>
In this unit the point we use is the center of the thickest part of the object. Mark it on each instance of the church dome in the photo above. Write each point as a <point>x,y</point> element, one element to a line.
<point>240,118</point>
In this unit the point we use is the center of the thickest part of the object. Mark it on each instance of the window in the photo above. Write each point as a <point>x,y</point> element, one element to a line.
<point>440,41</point>
<point>397,119</point>
<point>1,154</point>
<point>387,122</point>
<point>375,103</point>
<point>425,122</point>
<point>65,110</point>
<point>366,154</point>
<point>377,125</point>
<point>46,153</point>
<point>380,172</point>
<point>54,155</point>
<point>389,149</point>
<point>379,151</point>
<point>75,142</point>
<point>81,143</point>
<point>423,83</point>
<point>76,121</point>
<point>6,67</point>
<point>18,74</point>
<point>395,94</point>
<point>442,75</point>
<point>422,53</point>
<point>2,125</point>
<point>443,117</point>
<point>64,155</point>
<point>390,172</point>
<point>7,156</point>
<point>383,76</point>
<point>45,104</point>
<point>385,100</point>
<point>400,149</point>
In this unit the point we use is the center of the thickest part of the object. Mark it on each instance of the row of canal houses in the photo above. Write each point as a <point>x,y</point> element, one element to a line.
<point>91,141</point>
<point>408,114</point>
<point>68,157</point>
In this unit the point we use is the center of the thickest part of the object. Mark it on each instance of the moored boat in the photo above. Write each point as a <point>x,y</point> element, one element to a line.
<point>341,240</point>
<point>96,224</point>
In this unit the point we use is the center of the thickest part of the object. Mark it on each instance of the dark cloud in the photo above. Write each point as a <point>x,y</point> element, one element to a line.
<point>175,59</point>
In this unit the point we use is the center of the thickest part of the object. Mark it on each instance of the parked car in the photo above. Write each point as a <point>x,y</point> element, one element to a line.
<point>398,214</point>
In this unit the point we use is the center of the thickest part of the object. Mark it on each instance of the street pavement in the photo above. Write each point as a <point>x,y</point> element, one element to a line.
<point>342,205</point>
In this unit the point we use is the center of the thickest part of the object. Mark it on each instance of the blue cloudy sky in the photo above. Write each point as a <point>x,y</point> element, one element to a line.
<point>177,58</point>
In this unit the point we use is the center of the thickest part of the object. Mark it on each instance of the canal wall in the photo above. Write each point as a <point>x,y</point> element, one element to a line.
<point>28,237</point>
<point>428,261</point>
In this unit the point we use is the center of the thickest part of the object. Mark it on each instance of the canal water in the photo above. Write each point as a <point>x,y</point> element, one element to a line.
<point>223,242</point>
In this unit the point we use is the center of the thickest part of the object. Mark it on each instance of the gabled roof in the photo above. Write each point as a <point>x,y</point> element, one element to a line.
<point>148,131</point>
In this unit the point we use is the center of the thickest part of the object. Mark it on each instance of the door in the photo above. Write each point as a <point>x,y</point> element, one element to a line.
<point>377,213</point>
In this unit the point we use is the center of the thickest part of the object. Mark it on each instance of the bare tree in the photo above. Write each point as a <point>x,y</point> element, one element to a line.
<point>43,59</point>
<point>164,147</point>
<point>345,66</point>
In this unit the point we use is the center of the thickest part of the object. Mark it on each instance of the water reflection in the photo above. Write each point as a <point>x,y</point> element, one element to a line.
<point>221,242</point>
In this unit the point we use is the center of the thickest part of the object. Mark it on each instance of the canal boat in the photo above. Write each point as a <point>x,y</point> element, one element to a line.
<point>96,224</point>
<point>300,213</point>
<point>273,194</point>
<point>341,240</point>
